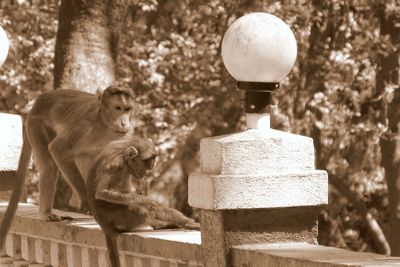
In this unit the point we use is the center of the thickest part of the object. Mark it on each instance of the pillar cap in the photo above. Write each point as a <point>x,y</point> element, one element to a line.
<point>256,152</point>
<point>224,192</point>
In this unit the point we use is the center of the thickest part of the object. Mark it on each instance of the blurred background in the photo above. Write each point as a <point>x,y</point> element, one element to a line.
<point>343,92</point>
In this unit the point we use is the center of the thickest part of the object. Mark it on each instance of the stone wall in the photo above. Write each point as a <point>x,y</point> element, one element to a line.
<point>81,243</point>
<point>32,242</point>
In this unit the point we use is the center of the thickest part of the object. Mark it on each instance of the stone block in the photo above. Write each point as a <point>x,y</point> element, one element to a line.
<point>16,247</point>
<point>28,248</point>
<point>218,192</point>
<point>297,254</point>
<point>222,230</point>
<point>213,244</point>
<point>256,152</point>
<point>11,141</point>
<point>74,255</point>
<point>45,252</point>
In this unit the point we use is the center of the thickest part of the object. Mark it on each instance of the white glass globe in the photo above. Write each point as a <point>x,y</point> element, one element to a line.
<point>259,47</point>
<point>4,45</point>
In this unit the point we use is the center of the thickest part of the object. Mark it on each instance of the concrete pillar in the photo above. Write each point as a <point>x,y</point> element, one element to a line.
<point>10,148</point>
<point>256,187</point>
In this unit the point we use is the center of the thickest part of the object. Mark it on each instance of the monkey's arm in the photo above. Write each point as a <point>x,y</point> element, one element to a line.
<point>117,189</point>
<point>131,199</point>
<point>113,196</point>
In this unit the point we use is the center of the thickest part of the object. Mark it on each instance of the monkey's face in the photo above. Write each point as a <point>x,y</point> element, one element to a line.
<point>139,162</point>
<point>117,109</point>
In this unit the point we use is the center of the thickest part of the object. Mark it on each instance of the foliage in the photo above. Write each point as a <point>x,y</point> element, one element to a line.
<point>170,55</point>
<point>27,71</point>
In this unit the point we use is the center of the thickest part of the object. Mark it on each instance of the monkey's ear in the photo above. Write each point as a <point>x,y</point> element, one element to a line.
<point>131,152</point>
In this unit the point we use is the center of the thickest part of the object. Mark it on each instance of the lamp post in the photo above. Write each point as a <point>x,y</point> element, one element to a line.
<point>4,45</point>
<point>258,50</point>
<point>253,187</point>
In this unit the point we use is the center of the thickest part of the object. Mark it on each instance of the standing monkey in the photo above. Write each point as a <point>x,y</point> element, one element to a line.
<point>113,199</point>
<point>62,126</point>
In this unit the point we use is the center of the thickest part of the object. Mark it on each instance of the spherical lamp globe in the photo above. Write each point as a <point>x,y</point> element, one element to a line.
<point>4,45</point>
<point>259,47</point>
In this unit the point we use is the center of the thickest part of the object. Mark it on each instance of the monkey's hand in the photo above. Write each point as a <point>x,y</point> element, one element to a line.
<point>84,207</point>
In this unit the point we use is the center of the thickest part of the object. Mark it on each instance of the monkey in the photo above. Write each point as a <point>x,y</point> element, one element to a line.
<point>62,126</point>
<point>112,196</point>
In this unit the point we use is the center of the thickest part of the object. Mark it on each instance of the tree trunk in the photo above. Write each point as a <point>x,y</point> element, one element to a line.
<point>388,71</point>
<point>321,33</point>
<point>85,53</point>
<point>87,43</point>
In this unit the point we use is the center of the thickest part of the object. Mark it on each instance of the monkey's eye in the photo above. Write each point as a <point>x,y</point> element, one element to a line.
<point>150,162</point>
<point>118,108</point>
<point>128,109</point>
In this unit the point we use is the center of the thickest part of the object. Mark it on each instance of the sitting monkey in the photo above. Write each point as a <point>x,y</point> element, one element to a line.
<point>113,199</point>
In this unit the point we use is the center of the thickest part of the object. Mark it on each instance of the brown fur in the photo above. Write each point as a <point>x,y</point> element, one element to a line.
<point>62,126</point>
<point>113,198</point>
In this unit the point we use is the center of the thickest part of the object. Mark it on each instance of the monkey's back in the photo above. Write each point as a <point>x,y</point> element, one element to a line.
<point>65,102</point>
<point>67,107</point>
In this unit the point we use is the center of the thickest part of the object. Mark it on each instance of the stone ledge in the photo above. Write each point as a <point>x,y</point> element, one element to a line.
<point>216,192</point>
<point>300,254</point>
<point>49,240</point>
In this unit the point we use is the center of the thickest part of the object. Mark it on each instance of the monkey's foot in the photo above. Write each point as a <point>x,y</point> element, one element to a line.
<point>84,208</point>
<point>51,217</point>
<point>192,226</point>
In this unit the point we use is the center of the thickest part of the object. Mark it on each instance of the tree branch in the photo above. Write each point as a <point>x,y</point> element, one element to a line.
<point>377,235</point>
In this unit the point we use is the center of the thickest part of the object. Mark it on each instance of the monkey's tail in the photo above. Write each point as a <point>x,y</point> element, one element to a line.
<point>112,246</point>
<point>17,190</point>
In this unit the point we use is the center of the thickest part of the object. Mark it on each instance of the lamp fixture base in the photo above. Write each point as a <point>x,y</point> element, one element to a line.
<point>258,95</point>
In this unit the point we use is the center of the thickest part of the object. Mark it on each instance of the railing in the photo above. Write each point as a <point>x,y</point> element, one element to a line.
<point>81,243</point>
<point>33,242</point>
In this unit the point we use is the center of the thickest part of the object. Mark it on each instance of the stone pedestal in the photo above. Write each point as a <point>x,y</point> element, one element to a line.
<point>11,141</point>
<point>256,187</point>
<point>10,149</point>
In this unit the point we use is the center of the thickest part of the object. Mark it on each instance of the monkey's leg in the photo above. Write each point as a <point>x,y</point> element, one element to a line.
<point>66,164</point>
<point>157,212</point>
<point>175,217</point>
<point>48,171</point>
